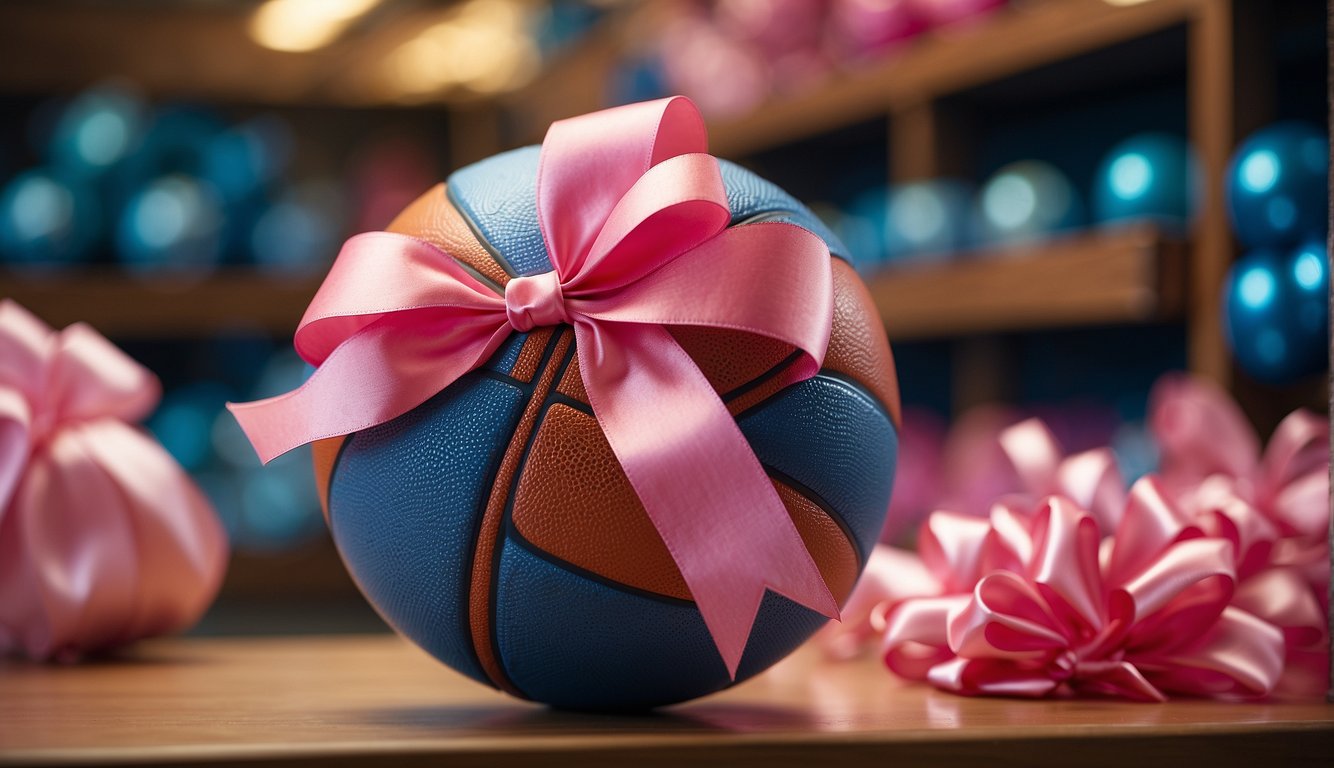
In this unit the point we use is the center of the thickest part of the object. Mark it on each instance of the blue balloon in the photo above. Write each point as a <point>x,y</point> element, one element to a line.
<point>299,233</point>
<point>1277,312</point>
<point>1149,176</point>
<point>927,218</point>
<point>47,220</point>
<point>97,130</point>
<point>184,419</point>
<point>174,223</point>
<point>1277,185</point>
<point>869,213</point>
<point>1026,201</point>
<point>242,161</point>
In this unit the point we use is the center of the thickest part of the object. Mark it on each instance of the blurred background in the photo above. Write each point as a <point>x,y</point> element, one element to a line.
<point>1053,201</point>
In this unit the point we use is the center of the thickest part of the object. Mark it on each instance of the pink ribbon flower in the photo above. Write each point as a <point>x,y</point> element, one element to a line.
<point>1048,618</point>
<point>952,546</point>
<point>1274,507</point>
<point>103,538</point>
<point>635,219</point>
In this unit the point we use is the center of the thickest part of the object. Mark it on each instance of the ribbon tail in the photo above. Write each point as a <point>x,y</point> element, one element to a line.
<point>727,529</point>
<point>380,373</point>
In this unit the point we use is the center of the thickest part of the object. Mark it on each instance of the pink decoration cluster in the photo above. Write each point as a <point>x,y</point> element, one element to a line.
<point>103,537</point>
<point>1207,579</point>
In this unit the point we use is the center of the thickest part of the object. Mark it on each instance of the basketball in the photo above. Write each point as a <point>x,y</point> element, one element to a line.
<point>493,526</point>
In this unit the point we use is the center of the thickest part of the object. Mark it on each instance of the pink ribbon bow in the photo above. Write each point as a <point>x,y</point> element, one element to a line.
<point>1047,617</point>
<point>635,219</point>
<point>103,538</point>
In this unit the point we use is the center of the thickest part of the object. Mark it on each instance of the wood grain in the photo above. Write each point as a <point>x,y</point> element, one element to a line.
<point>121,306</point>
<point>1126,275</point>
<point>364,700</point>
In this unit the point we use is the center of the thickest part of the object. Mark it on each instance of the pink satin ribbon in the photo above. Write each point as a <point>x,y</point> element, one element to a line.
<point>635,219</point>
<point>1046,617</point>
<point>1273,504</point>
<point>103,538</point>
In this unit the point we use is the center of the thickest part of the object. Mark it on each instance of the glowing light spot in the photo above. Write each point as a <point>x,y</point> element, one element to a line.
<point>103,138</point>
<point>1309,270</point>
<point>41,208</point>
<point>1256,288</point>
<point>919,215</point>
<point>1131,175</point>
<point>1010,201</point>
<point>1260,171</point>
<point>304,25</point>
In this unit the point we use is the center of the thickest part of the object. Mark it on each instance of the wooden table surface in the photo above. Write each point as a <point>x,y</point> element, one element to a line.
<point>377,700</point>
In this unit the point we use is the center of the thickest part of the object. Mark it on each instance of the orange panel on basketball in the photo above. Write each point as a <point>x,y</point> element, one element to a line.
<point>730,358</point>
<point>858,347</point>
<point>325,453</point>
<point>434,219</point>
<point>603,528</point>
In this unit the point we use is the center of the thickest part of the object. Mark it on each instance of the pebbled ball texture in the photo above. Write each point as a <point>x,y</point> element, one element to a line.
<point>493,526</point>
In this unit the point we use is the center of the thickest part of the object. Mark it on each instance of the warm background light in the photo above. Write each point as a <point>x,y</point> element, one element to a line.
<point>304,25</point>
<point>482,46</point>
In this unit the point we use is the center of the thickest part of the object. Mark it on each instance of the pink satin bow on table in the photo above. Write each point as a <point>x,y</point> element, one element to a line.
<point>1273,504</point>
<point>951,545</point>
<point>635,219</point>
<point>103,537</point>
<point>1048,618</point>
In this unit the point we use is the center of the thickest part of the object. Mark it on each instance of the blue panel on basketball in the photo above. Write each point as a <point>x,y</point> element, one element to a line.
<point>750,196</point>
<point>834,438</point>
<point>498,195</point>
<point>504,358</point>
<point>573,641</point>
<point>404,506</point>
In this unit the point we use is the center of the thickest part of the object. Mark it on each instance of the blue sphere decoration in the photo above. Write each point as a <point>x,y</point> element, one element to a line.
<point>47,220</point>
<point>1277,312</point>
<point>869,222</point>
<point>100,128</point>
<point>1026,201</point>
<point>1149,176</point>
<point>1277,185</point>
<point>172,224</point>
<point>927,218</point>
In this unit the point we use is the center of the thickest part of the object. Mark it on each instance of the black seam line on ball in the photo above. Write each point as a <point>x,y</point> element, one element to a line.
<point>859,391</point>
<point>778,368</point>
<point>547,352</point>
<point>532,549</point>
<point>819,501</point>
<point>470,269</point>
<point>477,233</point>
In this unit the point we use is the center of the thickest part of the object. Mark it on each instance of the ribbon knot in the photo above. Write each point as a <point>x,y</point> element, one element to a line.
<point>634,217</point>
<point>535,301</point>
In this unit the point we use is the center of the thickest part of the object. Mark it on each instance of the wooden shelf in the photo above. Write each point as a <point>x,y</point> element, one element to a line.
<point>1130,275</point>
<point>1023,37</point>
<point>359,700</point>
<point>121,306</point>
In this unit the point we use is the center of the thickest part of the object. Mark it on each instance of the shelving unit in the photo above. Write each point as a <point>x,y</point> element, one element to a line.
<point>1132,275</point>
<point>127,306</point>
